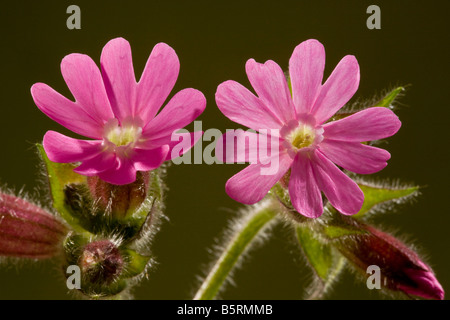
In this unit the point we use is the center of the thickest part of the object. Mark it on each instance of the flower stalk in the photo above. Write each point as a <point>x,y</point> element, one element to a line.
<point>249,227</point>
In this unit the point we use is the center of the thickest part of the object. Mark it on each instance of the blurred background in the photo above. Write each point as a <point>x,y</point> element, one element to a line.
<point>213,40</point>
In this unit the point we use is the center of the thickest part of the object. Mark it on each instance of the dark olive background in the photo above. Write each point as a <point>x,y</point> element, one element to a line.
<point>213,40</point>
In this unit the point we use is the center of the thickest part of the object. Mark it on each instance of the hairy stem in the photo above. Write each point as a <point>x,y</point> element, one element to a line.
<point>249,228</point>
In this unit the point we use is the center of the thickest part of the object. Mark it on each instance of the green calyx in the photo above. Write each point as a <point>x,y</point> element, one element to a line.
<point>111,226</point>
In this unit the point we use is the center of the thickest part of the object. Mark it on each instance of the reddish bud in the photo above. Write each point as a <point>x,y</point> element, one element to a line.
<point>120,200</point>
<point>425,284</point>
<point>401,268</point>
<point>28,231</point>
<point>101,262</point>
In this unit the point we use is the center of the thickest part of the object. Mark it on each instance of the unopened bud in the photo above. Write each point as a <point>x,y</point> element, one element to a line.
<point>424,282</point>
<point>401,268</point>
<point>28,231</point>
<point>101,262</point>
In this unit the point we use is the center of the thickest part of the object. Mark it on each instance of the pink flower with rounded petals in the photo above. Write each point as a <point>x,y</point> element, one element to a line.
<point>309,146</point>
<point>118,113</point>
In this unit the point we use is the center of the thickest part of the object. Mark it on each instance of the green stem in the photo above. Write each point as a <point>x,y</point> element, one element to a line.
<point>249,228</point>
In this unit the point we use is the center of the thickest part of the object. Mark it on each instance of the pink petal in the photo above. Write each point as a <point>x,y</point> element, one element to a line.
<point>173,140</point>
<point>146,160</point>
<point>100,163</point>
<point>270,85</point>
<point>422,283</point>
<point>181,110</point>
<point>86,84</point>
<point>306,68</point>
<point>245,146</point>
<point>124,173</point>
<point>244,143</point>
<point>194,137</point>
<point>118,75</point>
<point>303,189</point>
<point>249,186</point>
<point>337,90</point>
<point>239,105</point>
<point>62,149</point>
<point>354,156</point>
<point>342,192</point>
<point>65,112</point>
<point>367,125</point>
<point>158,79</point>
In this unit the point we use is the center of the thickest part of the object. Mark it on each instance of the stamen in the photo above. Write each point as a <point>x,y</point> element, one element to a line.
<point>302,137</point>
<point>126,135</point>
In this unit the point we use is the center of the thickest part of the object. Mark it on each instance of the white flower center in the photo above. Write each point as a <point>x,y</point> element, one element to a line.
<point>301,136</point>
<point>125,135</point>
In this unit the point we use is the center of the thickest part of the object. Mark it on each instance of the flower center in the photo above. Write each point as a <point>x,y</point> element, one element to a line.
<point>122,136</point>
<point>126,134</point>
<point>302,137</point>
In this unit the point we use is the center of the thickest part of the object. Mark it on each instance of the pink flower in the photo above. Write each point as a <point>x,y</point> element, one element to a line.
<point>118,113</point>
<point>309,146</point>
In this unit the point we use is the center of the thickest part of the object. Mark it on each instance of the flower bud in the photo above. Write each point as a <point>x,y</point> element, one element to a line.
<point>425,283</point>
<point>120,200</point>
<point>28,231</point>
<point>400,267</point>
<point>101,262</point>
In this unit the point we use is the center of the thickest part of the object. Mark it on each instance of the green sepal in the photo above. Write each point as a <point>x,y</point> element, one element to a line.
<point>99,291</point>
<point>289,82</point>
<point>282,195</point>
<point>135,263</point>
<point>376,196</point>
<point>385,102</point>
<point>59,175</point>
<point>389,99</point>
<point>333,232</point>
<point>316,251</point>
<point>73,247</point>
<point>153,203</point>
<point>325,261</point>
